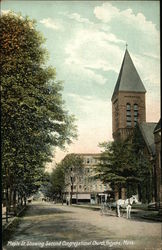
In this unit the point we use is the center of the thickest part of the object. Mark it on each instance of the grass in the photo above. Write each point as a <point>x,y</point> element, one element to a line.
<point>11,227</point>
<point>7,233</point>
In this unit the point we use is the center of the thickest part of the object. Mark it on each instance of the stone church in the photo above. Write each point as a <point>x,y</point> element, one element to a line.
<point>129,111</point>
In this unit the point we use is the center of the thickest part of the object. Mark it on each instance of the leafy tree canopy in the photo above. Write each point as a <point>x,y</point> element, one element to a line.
<point>125,164</point>
<point>34,117</point>
<point>118,166</point>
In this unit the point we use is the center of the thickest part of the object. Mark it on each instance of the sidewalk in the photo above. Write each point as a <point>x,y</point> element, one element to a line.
<point>10,218</point>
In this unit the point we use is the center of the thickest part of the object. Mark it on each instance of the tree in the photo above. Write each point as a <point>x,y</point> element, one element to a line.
<point>54,183</point>
<point>118,166</point>
<point>34,118</point>
<point>73,169</point>
<point>57,180</point>
<point>144,167</point>
<point>124,165</point>
<point>46,185</point>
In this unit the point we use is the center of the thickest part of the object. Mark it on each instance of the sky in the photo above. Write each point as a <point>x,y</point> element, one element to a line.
<point>86,41</point>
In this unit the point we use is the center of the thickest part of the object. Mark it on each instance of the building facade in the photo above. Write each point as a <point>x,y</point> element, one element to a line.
<point>128,112</point>
<point>86,188</point>
<point>157,137</point>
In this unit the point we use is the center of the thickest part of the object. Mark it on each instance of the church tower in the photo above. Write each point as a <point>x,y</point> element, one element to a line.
<point>128,100</point>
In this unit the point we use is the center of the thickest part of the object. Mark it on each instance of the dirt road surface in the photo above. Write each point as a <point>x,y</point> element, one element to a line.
<point>50,226</point>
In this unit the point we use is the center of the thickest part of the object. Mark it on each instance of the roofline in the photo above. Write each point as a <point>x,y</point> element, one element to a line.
<point>157,130</point>
<point>120,73</point>
<point>145,138</point>
<point>158,127</point>
<point>125,91</point>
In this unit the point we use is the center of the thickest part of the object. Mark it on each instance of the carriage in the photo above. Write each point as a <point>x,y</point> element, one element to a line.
<point>112,208</point>
<point>108,208</point>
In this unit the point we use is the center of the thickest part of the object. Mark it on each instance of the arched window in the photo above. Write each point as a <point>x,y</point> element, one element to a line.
<point>128,115</point>
<point>135,113</point>
<point>128,106</point>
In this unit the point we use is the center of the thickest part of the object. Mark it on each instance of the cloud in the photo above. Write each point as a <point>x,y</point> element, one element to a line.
<point>51,23</point>
<point>77,17</point>
<point>92,49</point>
<point>147,33</point>
<point>148,67</point>
<point>94,126</point>
<point>107,12</point>
<point>84,73</point>
<point>95,47</point>
<point>96,113</point>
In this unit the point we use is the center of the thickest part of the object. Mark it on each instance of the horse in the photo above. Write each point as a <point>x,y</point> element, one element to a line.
<point>126,204</point>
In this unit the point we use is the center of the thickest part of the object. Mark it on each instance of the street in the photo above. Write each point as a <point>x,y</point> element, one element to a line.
<point>51,226</point>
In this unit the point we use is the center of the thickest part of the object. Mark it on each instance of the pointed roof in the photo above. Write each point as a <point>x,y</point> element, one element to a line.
<point>158,126</point>
<point>147,130</point>
<point>128,79</point>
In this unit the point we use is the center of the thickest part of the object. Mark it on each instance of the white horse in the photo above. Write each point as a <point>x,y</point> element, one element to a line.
<point>126,204</point>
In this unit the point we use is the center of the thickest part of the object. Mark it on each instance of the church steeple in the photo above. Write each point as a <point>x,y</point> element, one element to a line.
<point>128,100</point>
<point>128,79</point>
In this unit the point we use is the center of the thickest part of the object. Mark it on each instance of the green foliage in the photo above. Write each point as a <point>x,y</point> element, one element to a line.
<point>53,184</point>
<point>124,164</point>
<point>117,164</point>
<point>65,174</point>
<point>72,165</point>
<point>57,180</point>
<point>144,167</point>
<point>72,162</point>
<point>33,113</point>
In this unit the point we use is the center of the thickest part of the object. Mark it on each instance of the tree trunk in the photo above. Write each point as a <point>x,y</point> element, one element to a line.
<point>76,197</point>
<point>7,204</point>
<point>62,199</point>
<point>21,198</point>
<point>9,199</point>
<point>24,200</point>
<point>71,194</point>
<point>14,202</point>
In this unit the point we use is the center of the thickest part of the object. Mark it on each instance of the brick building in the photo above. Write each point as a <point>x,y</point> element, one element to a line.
<point>128,100</point>
<point>157,138</point>
<point>129,110</point>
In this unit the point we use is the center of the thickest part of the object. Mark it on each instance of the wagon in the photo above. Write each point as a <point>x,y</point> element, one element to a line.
<point>108,208</point>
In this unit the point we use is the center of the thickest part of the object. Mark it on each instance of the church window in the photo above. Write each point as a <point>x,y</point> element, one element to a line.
<point>128,107</point>
<point>128,114</point>
<point>129,124</point>
<point>135,114</point>
<point>88,161</point>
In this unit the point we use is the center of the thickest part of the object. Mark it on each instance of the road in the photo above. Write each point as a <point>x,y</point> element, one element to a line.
<point>50,226</point>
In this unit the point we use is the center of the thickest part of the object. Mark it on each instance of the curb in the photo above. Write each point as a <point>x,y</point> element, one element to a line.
<point>151,219</point>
